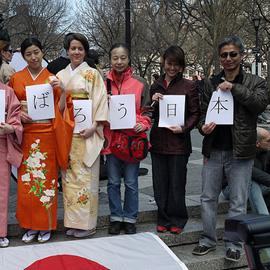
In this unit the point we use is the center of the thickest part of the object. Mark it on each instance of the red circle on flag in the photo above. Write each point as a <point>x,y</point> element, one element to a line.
<point>65,262</point>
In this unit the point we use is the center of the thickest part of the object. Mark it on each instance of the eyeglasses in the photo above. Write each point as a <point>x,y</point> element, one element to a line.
<point>231,54</point>
<point>9,51</point>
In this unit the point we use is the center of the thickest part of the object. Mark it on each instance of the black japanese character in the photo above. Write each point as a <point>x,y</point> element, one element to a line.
<point>171,110</point>
<point>219,106</point>
<point>43,99</point>
<point>77,114</point>
<point>123,108</point>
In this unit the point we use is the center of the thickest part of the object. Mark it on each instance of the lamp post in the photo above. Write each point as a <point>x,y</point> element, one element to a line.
<point>256,22</point>
<point>128,35</point>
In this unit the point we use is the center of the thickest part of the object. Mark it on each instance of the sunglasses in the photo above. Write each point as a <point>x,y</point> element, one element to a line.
<point>9,51</point>
<point>231,54</point>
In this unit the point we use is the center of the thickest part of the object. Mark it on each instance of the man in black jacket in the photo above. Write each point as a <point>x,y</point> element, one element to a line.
<point>229,150</point>
<point>260,183</point>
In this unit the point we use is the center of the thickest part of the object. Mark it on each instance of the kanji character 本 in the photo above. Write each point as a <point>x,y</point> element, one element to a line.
<point>219,106</point>
<point>41,100</point>
<point>171,110</point>
<point>77,114</point>
<point>122,108</point>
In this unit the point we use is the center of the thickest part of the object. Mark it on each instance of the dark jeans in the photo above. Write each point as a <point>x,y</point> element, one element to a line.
<point>169,183</point>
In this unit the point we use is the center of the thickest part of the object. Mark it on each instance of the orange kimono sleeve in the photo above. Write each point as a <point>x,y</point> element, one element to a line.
<point>63,127</point>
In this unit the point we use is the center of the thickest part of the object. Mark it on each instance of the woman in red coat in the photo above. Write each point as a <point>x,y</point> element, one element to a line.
<point>123,82</point>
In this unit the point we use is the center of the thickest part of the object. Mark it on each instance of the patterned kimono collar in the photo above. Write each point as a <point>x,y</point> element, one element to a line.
<point>73,71</point>
<point>76,81</point>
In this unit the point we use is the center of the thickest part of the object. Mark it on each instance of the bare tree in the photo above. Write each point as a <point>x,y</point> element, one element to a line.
<point>209,21</point>
<point>197,26</point>
<point>159,25</point>
<point>45,20</point>
<point>154,26</point>
<point>102,22</point>
<point>261,8</point>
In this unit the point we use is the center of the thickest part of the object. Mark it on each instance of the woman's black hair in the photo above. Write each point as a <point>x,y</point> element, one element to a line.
<point>119,45</point>
<point>28,42</point>
<point>4,45</point>
<point>175,54</point>
<point>93,55</point>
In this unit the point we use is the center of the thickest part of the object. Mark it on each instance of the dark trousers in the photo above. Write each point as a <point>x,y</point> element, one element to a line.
<point>169,183</point>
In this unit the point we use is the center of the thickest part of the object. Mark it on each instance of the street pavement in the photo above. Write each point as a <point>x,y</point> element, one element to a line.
<point>145,184</point>
<point>193,187</point>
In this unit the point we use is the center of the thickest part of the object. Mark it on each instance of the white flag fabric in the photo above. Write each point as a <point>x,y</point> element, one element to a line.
<point>131,252</point>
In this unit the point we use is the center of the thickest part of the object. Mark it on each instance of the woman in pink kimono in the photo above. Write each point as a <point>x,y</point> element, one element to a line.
<point>10,153</point>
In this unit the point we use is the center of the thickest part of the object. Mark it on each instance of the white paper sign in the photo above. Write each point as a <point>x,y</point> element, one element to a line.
<point>122,112</point>
<point>220,108</point>
<point>172,111</point>
<point>14,171</point>
<point>2,105</point>
<point>82,114</point>
<point>40,101</point>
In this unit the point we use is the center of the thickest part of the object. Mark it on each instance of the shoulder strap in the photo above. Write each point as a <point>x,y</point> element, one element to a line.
<point>109,88</point>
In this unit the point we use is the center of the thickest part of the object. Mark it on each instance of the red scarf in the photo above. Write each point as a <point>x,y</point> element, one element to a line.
<point>166,83</point>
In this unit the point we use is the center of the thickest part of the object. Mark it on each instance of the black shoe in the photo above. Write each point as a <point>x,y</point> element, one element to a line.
<point>202,250</point>
<point>233,255</point>
<point>115,227</point>
<point>142,171</point>
<point>129,228</point>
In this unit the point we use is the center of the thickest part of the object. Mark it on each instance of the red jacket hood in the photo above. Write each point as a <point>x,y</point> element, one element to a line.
<point>125,75</point>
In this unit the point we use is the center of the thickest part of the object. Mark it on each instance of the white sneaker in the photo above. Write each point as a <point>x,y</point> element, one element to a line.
<point>4,242</point>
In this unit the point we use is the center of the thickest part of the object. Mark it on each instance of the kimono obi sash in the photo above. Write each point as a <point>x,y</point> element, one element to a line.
<point>25,110</point>
<point>79,96</point>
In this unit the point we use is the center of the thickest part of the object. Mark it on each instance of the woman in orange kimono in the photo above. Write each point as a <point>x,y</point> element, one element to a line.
<point>46,144</point>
